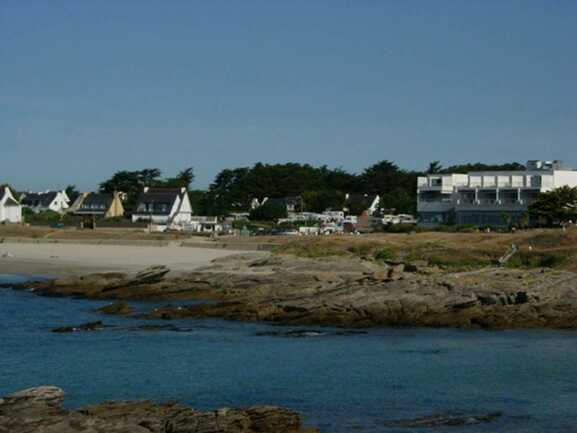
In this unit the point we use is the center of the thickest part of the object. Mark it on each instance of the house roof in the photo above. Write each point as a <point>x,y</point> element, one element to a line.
<point>73,196</point>
<point>3,189</point>
<point>11,202</point>
<point>283,200</point>
<point>157,201</point>
<point>39,199</point>
<point>96,201</point>
<point>361,199</point>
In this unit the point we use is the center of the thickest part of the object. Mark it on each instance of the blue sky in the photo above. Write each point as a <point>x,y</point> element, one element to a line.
<point>91,87</point>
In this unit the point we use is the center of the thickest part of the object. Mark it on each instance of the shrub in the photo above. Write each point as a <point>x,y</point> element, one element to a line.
<point>536,259</point>
<point>400,228</point>
<point>269,211</point>
<point>43,218</point>
<point>311,249</point>
<point>384,254</point>
<point>364,249</point>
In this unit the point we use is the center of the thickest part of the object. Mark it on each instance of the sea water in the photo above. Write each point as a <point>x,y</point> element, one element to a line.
<point>340,383</point>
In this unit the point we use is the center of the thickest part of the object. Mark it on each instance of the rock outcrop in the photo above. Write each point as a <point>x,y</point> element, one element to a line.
<point>445,421</point>
<point>342,292</point>
<point>90,326</point>
<point>39,410</point>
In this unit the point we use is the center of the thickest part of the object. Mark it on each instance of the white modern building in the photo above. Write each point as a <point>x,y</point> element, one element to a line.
<point>10,208</point>
<point>484,198</point>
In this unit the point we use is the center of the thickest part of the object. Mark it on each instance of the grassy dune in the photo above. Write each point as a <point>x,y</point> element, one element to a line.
<point>450,251</point>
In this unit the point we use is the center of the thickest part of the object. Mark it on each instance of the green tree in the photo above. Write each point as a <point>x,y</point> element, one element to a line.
<point>133,182</point>
<point>478,166</point>
<point>183,179</point>
<point>397,187</point>
<point>71,190</point>
<point>434,167</point>
<point>268,212</point>
<point>319,201</point>
<point>198,202</point>
<point>555,206</point>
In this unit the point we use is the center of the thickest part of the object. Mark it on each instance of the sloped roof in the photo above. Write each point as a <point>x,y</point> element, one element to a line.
<point>11,202</point>
<point>361,199</point>
<point>283,200</point>
<point>39,199</point>
<point>3,188</point>
<point>96,201</point>
<point>157,201</point>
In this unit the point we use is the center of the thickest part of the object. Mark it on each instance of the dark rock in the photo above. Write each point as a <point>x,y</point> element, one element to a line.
<point>117,308</point>
<point>300,333</point>
<point>39,410</point>
<point>90,326</point>
<point>152,328</point>
<point>307,333</point>
<point>444,420</point>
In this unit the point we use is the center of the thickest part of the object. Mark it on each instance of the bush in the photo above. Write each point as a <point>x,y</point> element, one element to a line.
<point>43,218</point>
<point>384,254</point>
<point>463,228</point>
<point>311,249</point>
<point>534,259</point>
<point>400,228</point>
<point>364,249</point>
<point>268,212</point>
<point>240,224</point>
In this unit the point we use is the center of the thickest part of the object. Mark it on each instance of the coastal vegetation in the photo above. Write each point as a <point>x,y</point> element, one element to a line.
<point>556,206</point>
<point>539,248</point>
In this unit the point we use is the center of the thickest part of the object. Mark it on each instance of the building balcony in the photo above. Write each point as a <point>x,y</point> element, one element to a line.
<point>442,189</point>
<point>492,204</point>
<point>435,205</point>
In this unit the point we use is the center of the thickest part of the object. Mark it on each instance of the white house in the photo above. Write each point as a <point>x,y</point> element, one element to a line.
<point>56,201</point>
<point>164,206</point>
<point>204,224</point>
<point>10,208</point>
<point>484,198</point>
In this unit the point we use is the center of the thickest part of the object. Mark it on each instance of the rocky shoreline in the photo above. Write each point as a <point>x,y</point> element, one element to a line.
<point>343,292</point>
<point>39,410</point>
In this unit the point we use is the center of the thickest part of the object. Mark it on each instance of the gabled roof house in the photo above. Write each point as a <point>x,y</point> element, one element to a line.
<point>292,204</point>
<point>56,201</point>
<point>163,206</point>
<point>104,205</point>
<point>10,208</point>
<point>358,204</point>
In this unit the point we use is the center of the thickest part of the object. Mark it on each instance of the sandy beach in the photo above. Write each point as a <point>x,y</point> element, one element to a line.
<point>61,259</point>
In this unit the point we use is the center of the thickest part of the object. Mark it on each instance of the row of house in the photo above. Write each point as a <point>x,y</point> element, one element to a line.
<point>353,203</point>
<point>488,198</point>
<point>156,205</point>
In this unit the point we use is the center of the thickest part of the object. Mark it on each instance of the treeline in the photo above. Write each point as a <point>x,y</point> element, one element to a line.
<point>318,187</point>
<point>133,182</point>
<point>321,187</point>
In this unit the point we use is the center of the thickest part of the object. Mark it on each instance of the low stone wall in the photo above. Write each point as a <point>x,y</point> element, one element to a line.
<point>119,242</point>
<point>240,246</point>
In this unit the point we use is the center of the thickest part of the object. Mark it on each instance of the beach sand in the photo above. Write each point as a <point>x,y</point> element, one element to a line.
<point>75,259</point>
